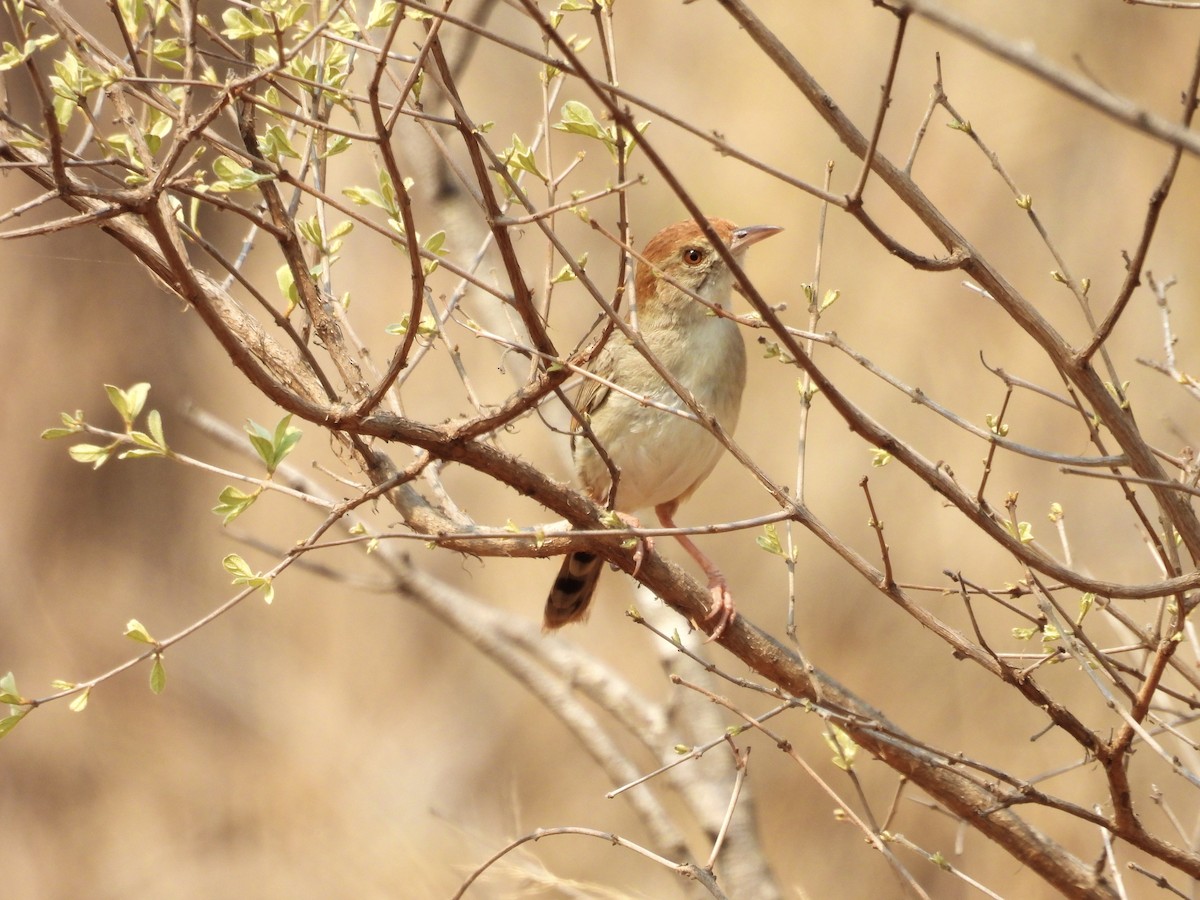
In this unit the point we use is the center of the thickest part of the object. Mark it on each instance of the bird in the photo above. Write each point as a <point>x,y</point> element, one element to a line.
<point>661,458</point>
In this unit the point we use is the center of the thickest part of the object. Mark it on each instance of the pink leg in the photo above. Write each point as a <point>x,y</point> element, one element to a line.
<point>722,609</point>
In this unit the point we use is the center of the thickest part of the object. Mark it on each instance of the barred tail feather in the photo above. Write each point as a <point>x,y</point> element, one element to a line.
<point>573,589</point>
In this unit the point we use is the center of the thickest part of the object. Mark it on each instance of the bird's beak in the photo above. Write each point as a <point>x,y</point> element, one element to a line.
<point>751,234</point>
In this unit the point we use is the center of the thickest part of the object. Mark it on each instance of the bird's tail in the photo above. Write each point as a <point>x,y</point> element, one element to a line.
<point>573,588</point>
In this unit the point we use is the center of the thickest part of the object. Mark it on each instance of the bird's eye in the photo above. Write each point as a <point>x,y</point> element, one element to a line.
<point>693,255</point>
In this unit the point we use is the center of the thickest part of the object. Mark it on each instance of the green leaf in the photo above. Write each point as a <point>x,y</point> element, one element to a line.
<point>1022,532</point>
<point>40,43</point>
<point>769,540</point>
<point>287,286</point>
<point>1086,602</point>
<point>80,701</point>
<point>233,176</point>
<point>273,447</point>
<point>136,631</point>
<point>153,444</point>
<point>287,12</point>
<point>71,424</point>
<point>240,27</point>
<point>71,83</point>
<point>519,158</point>
<point>310,230</point>
<point>365,197</point>
<point>275,144</point>
<point>338,143</point>
<point>8,723</point>
<point>236,566</point>
<point>382,14</point>
<point>160,126</point>
<point>427,327</point>
<point>260,440</point>
<point>90,453</point>
<point>158,675</point>
<point>578,119</point>
<point>64,107</point>
<point>8,691</point>
<point>232,503</point>
<point>566,273</point>
<point>880,458</point>
<point>129,402</point>
<point>435,244</point>
<point>168,53</point>
<point>388,189</point>
<point>154,423</point>
<point>843,747</point>
<point>242,574</point>
<point>13,56</point>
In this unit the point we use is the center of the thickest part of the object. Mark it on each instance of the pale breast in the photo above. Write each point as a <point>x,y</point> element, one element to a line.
<point>661,456</point>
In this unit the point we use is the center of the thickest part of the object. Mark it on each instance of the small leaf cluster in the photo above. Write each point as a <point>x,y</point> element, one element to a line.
<point>18,706</point>
<point>136,631</point>
<point>769,541</point>
<point>844,749</point>
<point>519,158</point>
<point>72,82</point>
<point>385,199</point>
<point>272,447</point>
<point>233,176</point>
<point>128,403</point>
<point>427,326</point>
<point>578,119</point>
<point>271,17</point>
<point>243,574</point>
<point>12,56</point>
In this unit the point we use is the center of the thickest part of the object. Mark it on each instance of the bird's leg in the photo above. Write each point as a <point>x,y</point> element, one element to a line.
<point>722,609</point>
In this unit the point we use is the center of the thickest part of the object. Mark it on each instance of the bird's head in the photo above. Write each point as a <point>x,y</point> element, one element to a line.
<point>683,254</point>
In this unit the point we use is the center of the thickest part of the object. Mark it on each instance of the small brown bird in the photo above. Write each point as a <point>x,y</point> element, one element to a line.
<point>661,457</point>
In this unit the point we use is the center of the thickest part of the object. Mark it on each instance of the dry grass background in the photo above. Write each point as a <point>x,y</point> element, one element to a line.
<point>343,744</point>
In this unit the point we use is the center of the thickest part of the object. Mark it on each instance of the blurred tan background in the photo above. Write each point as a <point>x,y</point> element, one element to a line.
<point>341,743</point>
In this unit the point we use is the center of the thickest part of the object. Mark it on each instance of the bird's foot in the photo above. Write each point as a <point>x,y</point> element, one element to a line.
<point>644,544</point>
<point>722,612</point>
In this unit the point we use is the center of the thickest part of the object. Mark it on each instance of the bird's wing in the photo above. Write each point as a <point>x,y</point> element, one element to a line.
<point>592,393</point>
